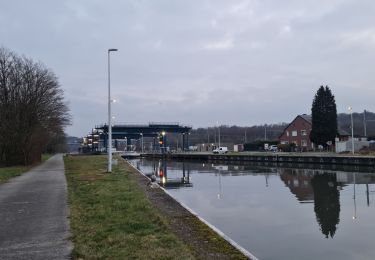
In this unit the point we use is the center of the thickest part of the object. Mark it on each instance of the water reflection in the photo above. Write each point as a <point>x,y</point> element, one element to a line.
<point>159,173</point>
<point>299,183</point>
<point>177,182</point>
<point>322,189</point>
<point>253,198</point>
<point>326,202</point>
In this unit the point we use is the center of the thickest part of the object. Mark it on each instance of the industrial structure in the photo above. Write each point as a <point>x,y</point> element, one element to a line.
<point>97,140</point>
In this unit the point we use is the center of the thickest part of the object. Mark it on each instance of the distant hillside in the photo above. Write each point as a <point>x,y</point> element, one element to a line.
<point>238,134</point>
<point>358,122</point>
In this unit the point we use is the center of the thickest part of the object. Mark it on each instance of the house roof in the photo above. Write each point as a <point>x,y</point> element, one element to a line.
<point>342,132</point>
<point>306,117</point>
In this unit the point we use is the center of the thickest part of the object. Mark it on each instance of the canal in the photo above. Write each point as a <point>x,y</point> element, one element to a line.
<point>278,212</point>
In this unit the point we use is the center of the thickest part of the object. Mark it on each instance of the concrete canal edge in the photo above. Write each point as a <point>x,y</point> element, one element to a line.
<point>193,213</point>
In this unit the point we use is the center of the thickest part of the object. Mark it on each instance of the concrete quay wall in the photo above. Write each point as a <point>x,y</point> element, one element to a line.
<point>274,158</point>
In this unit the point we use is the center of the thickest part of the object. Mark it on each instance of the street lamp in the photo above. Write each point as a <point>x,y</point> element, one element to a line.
<point>141,142</point>
<point>351,120</point>
<point>109,114</point>
<point>163,147</point>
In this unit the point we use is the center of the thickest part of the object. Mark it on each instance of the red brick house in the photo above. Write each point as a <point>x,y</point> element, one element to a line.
<point>298,132</point>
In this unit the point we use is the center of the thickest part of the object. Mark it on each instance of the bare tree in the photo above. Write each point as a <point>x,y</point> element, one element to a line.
<point>32,109</point>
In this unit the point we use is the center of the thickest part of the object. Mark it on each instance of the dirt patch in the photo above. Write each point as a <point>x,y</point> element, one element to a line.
<point>90,177</point>
<point>201,239</point>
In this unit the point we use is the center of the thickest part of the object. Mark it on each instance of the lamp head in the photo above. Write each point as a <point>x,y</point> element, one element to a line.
<point>109,50</point>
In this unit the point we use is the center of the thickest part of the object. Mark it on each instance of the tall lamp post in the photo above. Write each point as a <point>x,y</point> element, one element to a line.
<point>351,120</point>
<point>163,145</point>
<point>141,142</point>
<point>109,150</point>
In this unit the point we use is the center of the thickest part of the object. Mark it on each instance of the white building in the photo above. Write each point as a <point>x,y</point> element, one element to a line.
<point>346,145</point>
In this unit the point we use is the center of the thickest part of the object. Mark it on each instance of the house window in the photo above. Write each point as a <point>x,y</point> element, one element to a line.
<point>287,133</point>
<point>304,143</point>
<point>294,133</point>
<point>303,132</point>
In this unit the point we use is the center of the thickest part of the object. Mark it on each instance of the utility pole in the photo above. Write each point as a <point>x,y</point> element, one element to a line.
<point>215,136</point>
<point>219,132</point>
<point>265,132</point>
<point>364,123</point>
<point>351,119</point>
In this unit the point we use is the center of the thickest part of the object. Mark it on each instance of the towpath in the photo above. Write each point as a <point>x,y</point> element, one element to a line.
<point>34,214</point>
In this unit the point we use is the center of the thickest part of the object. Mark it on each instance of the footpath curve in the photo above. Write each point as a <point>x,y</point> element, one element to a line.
<point>34,214</point>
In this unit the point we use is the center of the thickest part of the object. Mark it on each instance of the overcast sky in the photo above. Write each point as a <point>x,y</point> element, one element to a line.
<point>197,62</point>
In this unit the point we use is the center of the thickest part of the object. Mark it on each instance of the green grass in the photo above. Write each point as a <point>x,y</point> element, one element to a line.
<point>7,173</point>
<point>111,218</point>
<point>46,156</point>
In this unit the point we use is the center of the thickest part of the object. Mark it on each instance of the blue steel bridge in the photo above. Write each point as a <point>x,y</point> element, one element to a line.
<point>137,131</point>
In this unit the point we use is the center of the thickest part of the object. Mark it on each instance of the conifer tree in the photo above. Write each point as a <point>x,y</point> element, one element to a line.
<point>324,117</point>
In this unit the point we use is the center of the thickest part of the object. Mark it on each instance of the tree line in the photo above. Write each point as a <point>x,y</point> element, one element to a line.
<point>33,113</point>
<point>325,126</point>
<point>344,122</point>
<point>236,134</point>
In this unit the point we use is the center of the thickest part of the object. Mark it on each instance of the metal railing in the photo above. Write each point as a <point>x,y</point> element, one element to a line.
<point>123,124</point>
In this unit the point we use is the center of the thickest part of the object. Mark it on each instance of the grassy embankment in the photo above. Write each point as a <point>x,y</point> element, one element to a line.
<point>9,172</point>
<point>111,218</point>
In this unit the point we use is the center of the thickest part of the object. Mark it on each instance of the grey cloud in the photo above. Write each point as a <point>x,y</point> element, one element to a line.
<point>262,60</point>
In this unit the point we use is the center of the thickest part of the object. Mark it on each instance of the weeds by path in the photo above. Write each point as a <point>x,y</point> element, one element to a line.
<point>9,172</point>
<point>111,218</point>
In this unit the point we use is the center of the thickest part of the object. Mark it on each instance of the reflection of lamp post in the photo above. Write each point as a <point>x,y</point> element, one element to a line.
<point>219,194</point>
<point>355,204</point>
<point>141,142</point>
<point>109,115</point>
<point>351,120</point>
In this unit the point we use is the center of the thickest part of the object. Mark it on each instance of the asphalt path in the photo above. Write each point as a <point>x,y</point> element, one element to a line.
<point>34,214</point>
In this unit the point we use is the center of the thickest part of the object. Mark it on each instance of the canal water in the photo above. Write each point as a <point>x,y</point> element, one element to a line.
<point>278,212</point>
